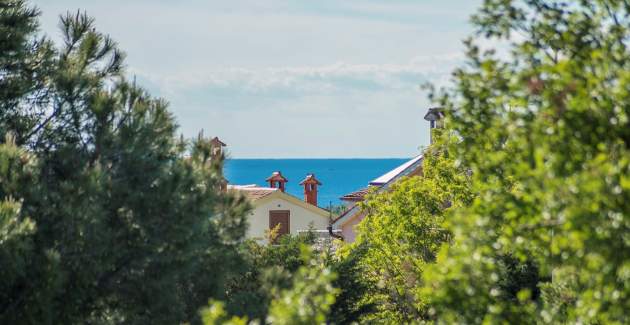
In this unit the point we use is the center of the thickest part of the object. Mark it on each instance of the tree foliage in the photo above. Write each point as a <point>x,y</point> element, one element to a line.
<point>520,214</point>
<point>26,63</point>
<point>544,129</point>
<point>351,303</point>
<point>104,217</point>
<point>265,269</point>
<point>402,232</point>
<point>306,300</point>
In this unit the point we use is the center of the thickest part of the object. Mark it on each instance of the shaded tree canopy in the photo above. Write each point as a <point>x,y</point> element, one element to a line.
<point>107,216</point>
<point>544,129</point>
<point>521,214</point>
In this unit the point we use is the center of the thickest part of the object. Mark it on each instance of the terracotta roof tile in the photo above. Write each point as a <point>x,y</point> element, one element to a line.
<point>356,195</point>
<point>277,176</point>
<point>253,192</point>
<point>310,179</point>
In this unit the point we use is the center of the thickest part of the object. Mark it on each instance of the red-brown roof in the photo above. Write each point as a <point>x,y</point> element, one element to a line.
<point>310,179</point>
<point>277,176</point>
<point>408,168</point>
<point>356,195</point>
<point>253,193</point>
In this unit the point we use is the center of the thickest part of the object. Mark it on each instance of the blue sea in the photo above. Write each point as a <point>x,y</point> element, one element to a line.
<point>338,176</point>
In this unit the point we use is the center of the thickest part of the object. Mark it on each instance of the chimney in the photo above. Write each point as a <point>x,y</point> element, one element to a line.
<point>223,184</point>
<point>276,178</point>
<point>310,189</point>
<point>216,148</point>
<point>435,117</point>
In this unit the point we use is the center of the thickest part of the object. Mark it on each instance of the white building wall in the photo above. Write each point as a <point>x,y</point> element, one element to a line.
<point>349,229</point>
<point>299,219</point>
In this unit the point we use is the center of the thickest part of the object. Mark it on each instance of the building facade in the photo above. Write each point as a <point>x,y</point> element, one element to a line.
<point>273,207</point>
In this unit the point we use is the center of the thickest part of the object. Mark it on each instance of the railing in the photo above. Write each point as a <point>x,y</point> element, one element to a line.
<point>323,240</point>
<point>320,233</point>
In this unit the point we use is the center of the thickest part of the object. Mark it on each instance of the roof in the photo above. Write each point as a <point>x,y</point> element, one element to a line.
<point>253,192</point>
<point>345,215</point>
<point>310,179</point>
<point>434,114</point>
<point>277,176</point>
<point>387,177</point>
<point>356,195</point>
<point>392,176</point>
<point>259,195</point>
<point>216,140</point>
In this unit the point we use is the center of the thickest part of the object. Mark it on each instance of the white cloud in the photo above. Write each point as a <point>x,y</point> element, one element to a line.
<point>328,79</point>
<point>283,78</point>
<point>347,110</point>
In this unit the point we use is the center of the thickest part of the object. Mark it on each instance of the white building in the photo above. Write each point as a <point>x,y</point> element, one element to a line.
<point>272,206</point>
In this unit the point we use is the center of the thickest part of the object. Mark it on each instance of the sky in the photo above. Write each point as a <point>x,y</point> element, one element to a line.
<point>288,78</point>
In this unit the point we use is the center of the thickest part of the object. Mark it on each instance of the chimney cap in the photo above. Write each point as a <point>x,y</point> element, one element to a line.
<point>434,114</point>
<point>216,141</point>
<point>310,179</point>
<point>277,176</point>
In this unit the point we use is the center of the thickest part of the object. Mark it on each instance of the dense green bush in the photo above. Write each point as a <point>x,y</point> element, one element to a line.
<point>265,268</point>
<point>103,218</point>
<point>539,139</point>
<point>402,232</point>
<point>306,300</point>
<point>544,129</point>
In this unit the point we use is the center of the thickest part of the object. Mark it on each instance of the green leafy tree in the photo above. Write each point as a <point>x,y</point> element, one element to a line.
<point>107,216</point>
<point>404,230</point>
<point>352,303</point>
<point>306,300</point>
<point>265,269</point>
<point>544,129</point>
<point>401,234</point>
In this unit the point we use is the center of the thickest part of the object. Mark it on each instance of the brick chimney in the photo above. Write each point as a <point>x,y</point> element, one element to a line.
<point>216,148</point>
<point>216,153</point>
<point>435,116</point>
<point>276,178</point>
<point>310,189</point>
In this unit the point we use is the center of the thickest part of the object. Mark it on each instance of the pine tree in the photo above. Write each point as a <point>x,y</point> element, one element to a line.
<point>25,63</point>
<point>110,217</point>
